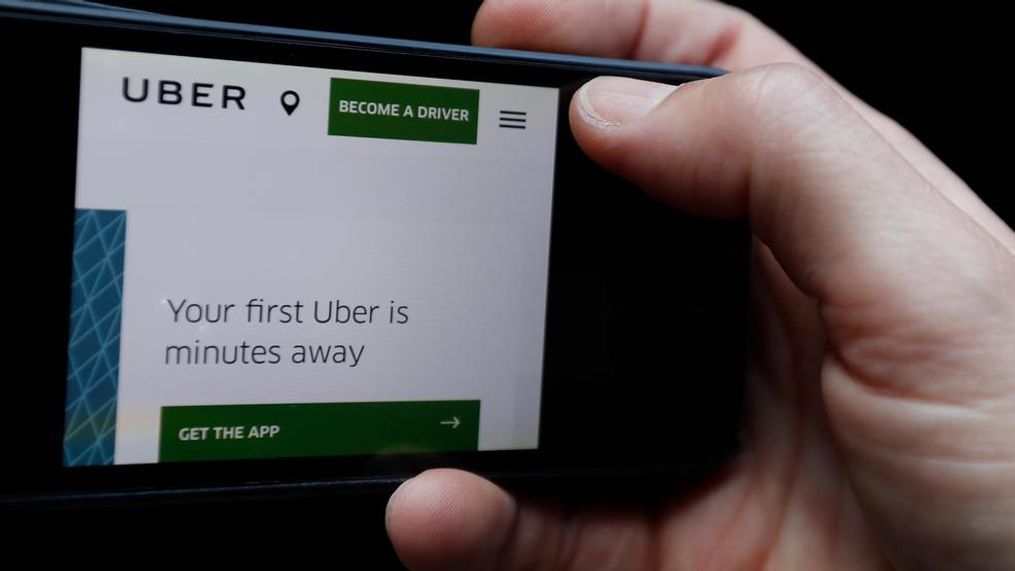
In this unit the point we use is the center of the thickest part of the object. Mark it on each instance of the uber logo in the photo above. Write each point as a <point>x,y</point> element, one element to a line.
<point>169,92</point>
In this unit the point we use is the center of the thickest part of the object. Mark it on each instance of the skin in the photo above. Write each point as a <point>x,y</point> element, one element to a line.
<point>881,413</point>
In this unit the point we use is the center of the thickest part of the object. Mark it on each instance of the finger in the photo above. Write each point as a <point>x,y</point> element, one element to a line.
<point>912,292</point>
<point>449,520</point>
<point>848,219</point>
<point>701,33</point>
<point>696,33</point>
<point>845,215</point>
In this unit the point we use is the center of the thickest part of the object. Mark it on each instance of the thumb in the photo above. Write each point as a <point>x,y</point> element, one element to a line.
<point>778,143</point>
<point>919,376</point>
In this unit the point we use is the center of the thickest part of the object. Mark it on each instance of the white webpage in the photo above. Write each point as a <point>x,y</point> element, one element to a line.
<point>267,260</point>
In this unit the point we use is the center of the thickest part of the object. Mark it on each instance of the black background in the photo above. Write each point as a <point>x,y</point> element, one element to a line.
<point>938,70</point>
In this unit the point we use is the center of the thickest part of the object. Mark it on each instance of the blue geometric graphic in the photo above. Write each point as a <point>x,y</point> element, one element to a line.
<point>93,364</point>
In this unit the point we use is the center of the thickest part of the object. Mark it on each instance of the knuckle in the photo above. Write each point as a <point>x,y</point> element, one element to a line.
<point>792,95</point>
<point>740,18</point>
<point>791,76</point>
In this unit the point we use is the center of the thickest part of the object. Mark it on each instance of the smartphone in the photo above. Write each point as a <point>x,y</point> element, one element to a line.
<point>255,260</point>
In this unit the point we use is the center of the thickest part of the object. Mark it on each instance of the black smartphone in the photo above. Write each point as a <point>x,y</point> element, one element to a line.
<point>253,260</point>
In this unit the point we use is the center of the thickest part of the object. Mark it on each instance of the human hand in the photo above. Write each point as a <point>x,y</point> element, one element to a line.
<point>881,398</point>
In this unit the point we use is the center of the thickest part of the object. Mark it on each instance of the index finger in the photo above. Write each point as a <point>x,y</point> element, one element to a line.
<point>699,33</point>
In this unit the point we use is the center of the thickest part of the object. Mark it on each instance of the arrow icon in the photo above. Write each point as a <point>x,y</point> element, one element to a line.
<point>454,422</point>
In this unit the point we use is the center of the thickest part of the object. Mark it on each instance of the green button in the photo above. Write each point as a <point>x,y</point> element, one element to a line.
<point>405,111</point>
<point>222,432</point>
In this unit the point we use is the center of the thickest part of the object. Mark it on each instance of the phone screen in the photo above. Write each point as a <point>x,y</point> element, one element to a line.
<point>276,261</point>
<point>270,259</point>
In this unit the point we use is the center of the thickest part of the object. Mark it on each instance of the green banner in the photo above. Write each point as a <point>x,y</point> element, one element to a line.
<point>405,111</point>
<point>222,432</point>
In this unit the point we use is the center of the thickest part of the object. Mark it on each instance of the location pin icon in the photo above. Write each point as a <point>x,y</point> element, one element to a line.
<point>290,101</point>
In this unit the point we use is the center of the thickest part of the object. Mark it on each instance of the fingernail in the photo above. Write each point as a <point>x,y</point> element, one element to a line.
<point>618,100</point>
<point>391,501</point>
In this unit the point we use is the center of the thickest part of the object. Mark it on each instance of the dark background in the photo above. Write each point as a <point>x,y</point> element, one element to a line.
<point>937,69</point>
